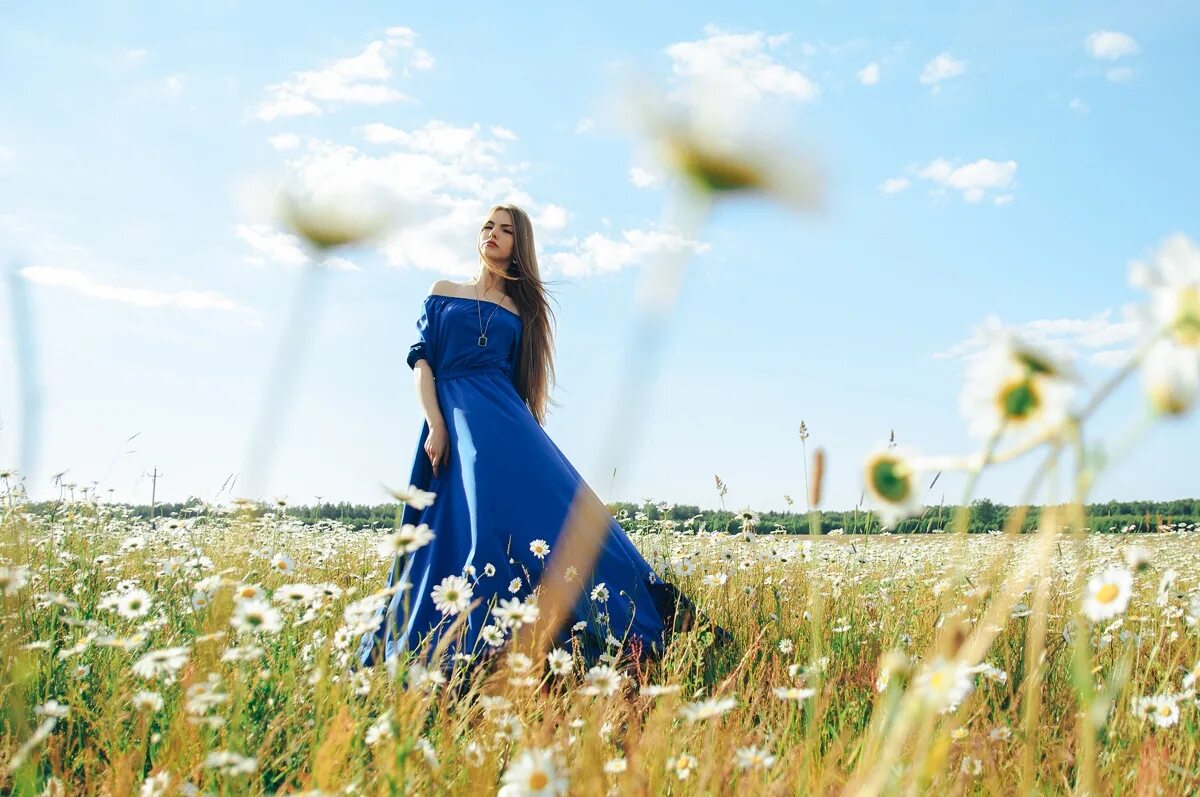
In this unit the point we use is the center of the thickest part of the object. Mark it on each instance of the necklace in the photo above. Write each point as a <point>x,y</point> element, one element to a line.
<point>482,328</point>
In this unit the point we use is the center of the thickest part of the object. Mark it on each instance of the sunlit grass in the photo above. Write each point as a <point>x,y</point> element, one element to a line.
<point>230,705</point>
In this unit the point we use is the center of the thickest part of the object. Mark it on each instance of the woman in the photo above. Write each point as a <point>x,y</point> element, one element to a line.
<point>483,366</point>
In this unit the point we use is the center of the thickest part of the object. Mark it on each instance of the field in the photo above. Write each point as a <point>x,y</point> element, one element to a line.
<point>210,654</point>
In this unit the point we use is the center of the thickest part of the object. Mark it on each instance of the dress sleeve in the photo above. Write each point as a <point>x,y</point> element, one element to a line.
<point>420,349</point>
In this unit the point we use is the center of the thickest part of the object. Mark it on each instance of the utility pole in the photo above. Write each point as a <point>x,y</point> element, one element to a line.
<point>153,491</point>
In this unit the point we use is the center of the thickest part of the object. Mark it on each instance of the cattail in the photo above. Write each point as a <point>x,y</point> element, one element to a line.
<point>817,475</point>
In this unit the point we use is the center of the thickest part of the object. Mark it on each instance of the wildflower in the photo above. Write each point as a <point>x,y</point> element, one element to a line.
<point>331,218</point>
<point>793,693</point>
<point>509,612</point>
<point>519,662</point>
<point>1000,734</point>
<point>408,539</point>
<point>1171,370</point>
<point>1136,557</point>
<point>539,548</point>
<point>707,709</point>
<point>134,603</point>
<point>452,595</point>
<point>786,646</point>
<point>654,690</point>
<point>230,763</point>
<point>533,773</point>
<point>12,579</point>
<point>380,729</point>
<point>560,661</point>
<point>166,662</point>
<point>493,635</point>
<point>283,563</point>
<point>970,766</point>
<point>602,680</point>
<point>514,585</point>
<point>156,785</point>
<point>754,758</point>
<point>682,765</point>
<point>489,569</point>
<point>1107,594</point>
<point>249,592</point>
<point>1014,386</point>
<point>892,477</point>
<point>150,700</point>
<point>615,766</point>
<point>944,684</point>
<point>52,708</point>
<point>600,593</point>
<point>414,496</point>
<point>1162,710</point>
<point>255,616</point>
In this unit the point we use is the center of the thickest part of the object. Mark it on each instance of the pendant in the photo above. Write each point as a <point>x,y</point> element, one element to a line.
<point>483,340</point>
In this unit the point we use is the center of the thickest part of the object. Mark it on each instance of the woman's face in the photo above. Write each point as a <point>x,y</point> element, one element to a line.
<point>497,237</point>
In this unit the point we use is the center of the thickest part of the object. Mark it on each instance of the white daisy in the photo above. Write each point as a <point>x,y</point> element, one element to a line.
<point>539,548</point>
<point>707,709</point>
<point>600,593</point>
<point>414,496</point>
<point>892,477</point>
<point>534,773</point>
<point>682,765</point>
<point>452,595</point>
<point>1015,385</point>
<point>282,563</point>
<point>1107,594</point>
<point>493,635</point>
<point>166,662</point>
<point>134,603</point>
<point>602,680</point>
<point>754,758</point>
<point>560,661</point>
<point>256,616</point>
<point>944,684</point>
<point>408,539</point>
<point>793,693</point>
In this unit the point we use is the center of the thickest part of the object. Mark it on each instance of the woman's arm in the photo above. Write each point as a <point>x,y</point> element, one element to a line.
<point>423,374</point>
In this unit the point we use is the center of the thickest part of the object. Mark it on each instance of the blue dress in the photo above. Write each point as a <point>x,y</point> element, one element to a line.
<point>506,484</point>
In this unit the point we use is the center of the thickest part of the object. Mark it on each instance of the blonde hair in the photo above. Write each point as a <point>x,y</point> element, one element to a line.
<point>534,375</point>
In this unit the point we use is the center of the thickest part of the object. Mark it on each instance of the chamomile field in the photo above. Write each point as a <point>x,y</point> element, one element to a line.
<point>212,653</point>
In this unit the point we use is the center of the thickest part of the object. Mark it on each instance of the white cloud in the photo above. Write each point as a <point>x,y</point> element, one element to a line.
<point>6,153</point>
<point>439,179</point>
<point>599,254</point>
<point>284,141</point>
<point>973,180</point>
<point>1069,338</point>
<point>1110,45</point>
<point>642,178</point>
<point>738,65</point>
<point>552,217</point>
<point>1121,74</point>
<point>584,125</point>
<point>869,74</point>
<point>78,281</point>
<point>1003,199</point>
<point>942,67</point>
<point>894,185</point>
<point>357,80</point>
<point>1079,105</point>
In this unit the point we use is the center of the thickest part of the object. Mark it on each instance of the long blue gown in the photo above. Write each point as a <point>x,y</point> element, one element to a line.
<point>506,485</point>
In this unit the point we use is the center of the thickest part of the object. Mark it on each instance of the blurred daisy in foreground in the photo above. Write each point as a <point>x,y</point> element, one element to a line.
<point>166,663</point>
<point>1107,594</point>
<point>892,479</point>
<point>408,539</point>
<point>707,709</point>
<point>1015,386</point>
<point>1171,368</point>
<point>945,684</point>
<point>534,773</point>
<point>335,216</point>
<point>754,758</point>
<point>682,765</point>
<point>414,496</point>
<point>1162,710</point>
<point>452,595</point>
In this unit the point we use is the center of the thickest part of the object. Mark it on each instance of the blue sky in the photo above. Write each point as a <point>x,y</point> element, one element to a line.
<point>992,159</point>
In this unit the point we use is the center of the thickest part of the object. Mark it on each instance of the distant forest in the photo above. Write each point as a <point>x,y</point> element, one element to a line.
<point>1132,517</point>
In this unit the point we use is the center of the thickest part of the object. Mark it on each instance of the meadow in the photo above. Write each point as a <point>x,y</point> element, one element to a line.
<point>209,654</point>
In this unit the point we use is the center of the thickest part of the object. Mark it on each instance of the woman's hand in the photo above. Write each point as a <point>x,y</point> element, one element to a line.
<point>437,446</point>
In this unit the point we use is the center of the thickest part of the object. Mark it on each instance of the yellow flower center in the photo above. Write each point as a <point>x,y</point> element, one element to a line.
<point>1164,710</point>
<point>538,780</point>
<point>1187,317</point>
<point>1107,593</point>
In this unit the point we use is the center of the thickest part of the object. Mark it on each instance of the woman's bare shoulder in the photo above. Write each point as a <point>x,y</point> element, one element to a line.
<point>446,288</point>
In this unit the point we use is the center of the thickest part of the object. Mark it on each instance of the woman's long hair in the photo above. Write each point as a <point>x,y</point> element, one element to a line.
<point>535,365</point>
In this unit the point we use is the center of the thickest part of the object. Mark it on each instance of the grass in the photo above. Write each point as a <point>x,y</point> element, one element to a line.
<point>873,625</point>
